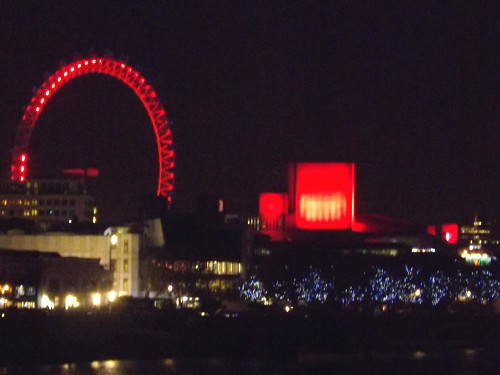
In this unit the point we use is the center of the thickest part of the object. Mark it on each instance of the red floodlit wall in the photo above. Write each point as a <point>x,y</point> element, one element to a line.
<point>272,210</point>
<point>431,229</point>
<point>450,233</point>
<point>324,195</point>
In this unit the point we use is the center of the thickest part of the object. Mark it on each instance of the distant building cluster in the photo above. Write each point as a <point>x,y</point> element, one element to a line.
<point>48,202</point>
<point>307,245</point>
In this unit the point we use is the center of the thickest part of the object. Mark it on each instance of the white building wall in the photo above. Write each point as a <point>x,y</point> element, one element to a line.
<point>125,253</point>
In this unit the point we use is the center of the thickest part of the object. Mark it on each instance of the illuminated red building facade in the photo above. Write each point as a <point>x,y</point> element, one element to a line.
<point>323,194</point>
<point>320,197</point>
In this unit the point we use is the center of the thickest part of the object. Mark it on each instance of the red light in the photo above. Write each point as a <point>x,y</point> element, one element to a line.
<point>21,178</point>
<point>109,67</point>
<point>273,208</point>
<point>359,227</point>
<point>324,195</point>
<point>272,203</point>
<point>22,168</point>
<point>23,158</point>
<point>431,229</point>
<point>450,233</point>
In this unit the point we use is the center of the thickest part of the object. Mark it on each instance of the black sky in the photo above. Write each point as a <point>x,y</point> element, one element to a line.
<point>409,91</point>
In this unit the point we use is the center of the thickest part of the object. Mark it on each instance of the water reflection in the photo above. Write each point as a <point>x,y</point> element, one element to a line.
<point>466,361</point>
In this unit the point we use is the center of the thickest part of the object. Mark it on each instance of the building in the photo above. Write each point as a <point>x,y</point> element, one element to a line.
<point>479,235</point>
<point>202,255</point>
<point>33,279</point>
<point>117,251</point>
<point>48,202</point>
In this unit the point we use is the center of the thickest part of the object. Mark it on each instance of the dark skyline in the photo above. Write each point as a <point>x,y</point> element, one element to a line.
<point>409,92</point>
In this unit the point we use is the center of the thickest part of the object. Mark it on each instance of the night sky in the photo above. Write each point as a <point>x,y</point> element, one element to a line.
<point>408,91</point>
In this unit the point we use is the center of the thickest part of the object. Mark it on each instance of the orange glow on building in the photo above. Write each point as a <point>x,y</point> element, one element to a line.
<point>324,195</point>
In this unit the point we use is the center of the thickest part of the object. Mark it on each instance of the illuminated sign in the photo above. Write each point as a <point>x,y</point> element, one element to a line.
<point>324,195</point>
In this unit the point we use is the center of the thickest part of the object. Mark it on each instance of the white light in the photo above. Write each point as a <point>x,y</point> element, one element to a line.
<point>96,299</point>
<point>170,288</point>
<point>71,302</point>
<point>112,296</point>
<point>114,239</point>
<point>46,303</point>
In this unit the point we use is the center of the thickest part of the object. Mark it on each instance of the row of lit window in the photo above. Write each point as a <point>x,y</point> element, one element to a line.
<point>379,252</point>
<point>36,212</point>
<point>36,202</point>
<point>472,230</point>
<point>212,267</point>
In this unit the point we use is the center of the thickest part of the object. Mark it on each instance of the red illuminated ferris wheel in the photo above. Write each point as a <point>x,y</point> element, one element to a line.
<point>125,74</point>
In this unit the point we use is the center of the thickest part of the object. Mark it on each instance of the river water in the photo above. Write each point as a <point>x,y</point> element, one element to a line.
<point>462,362</point>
